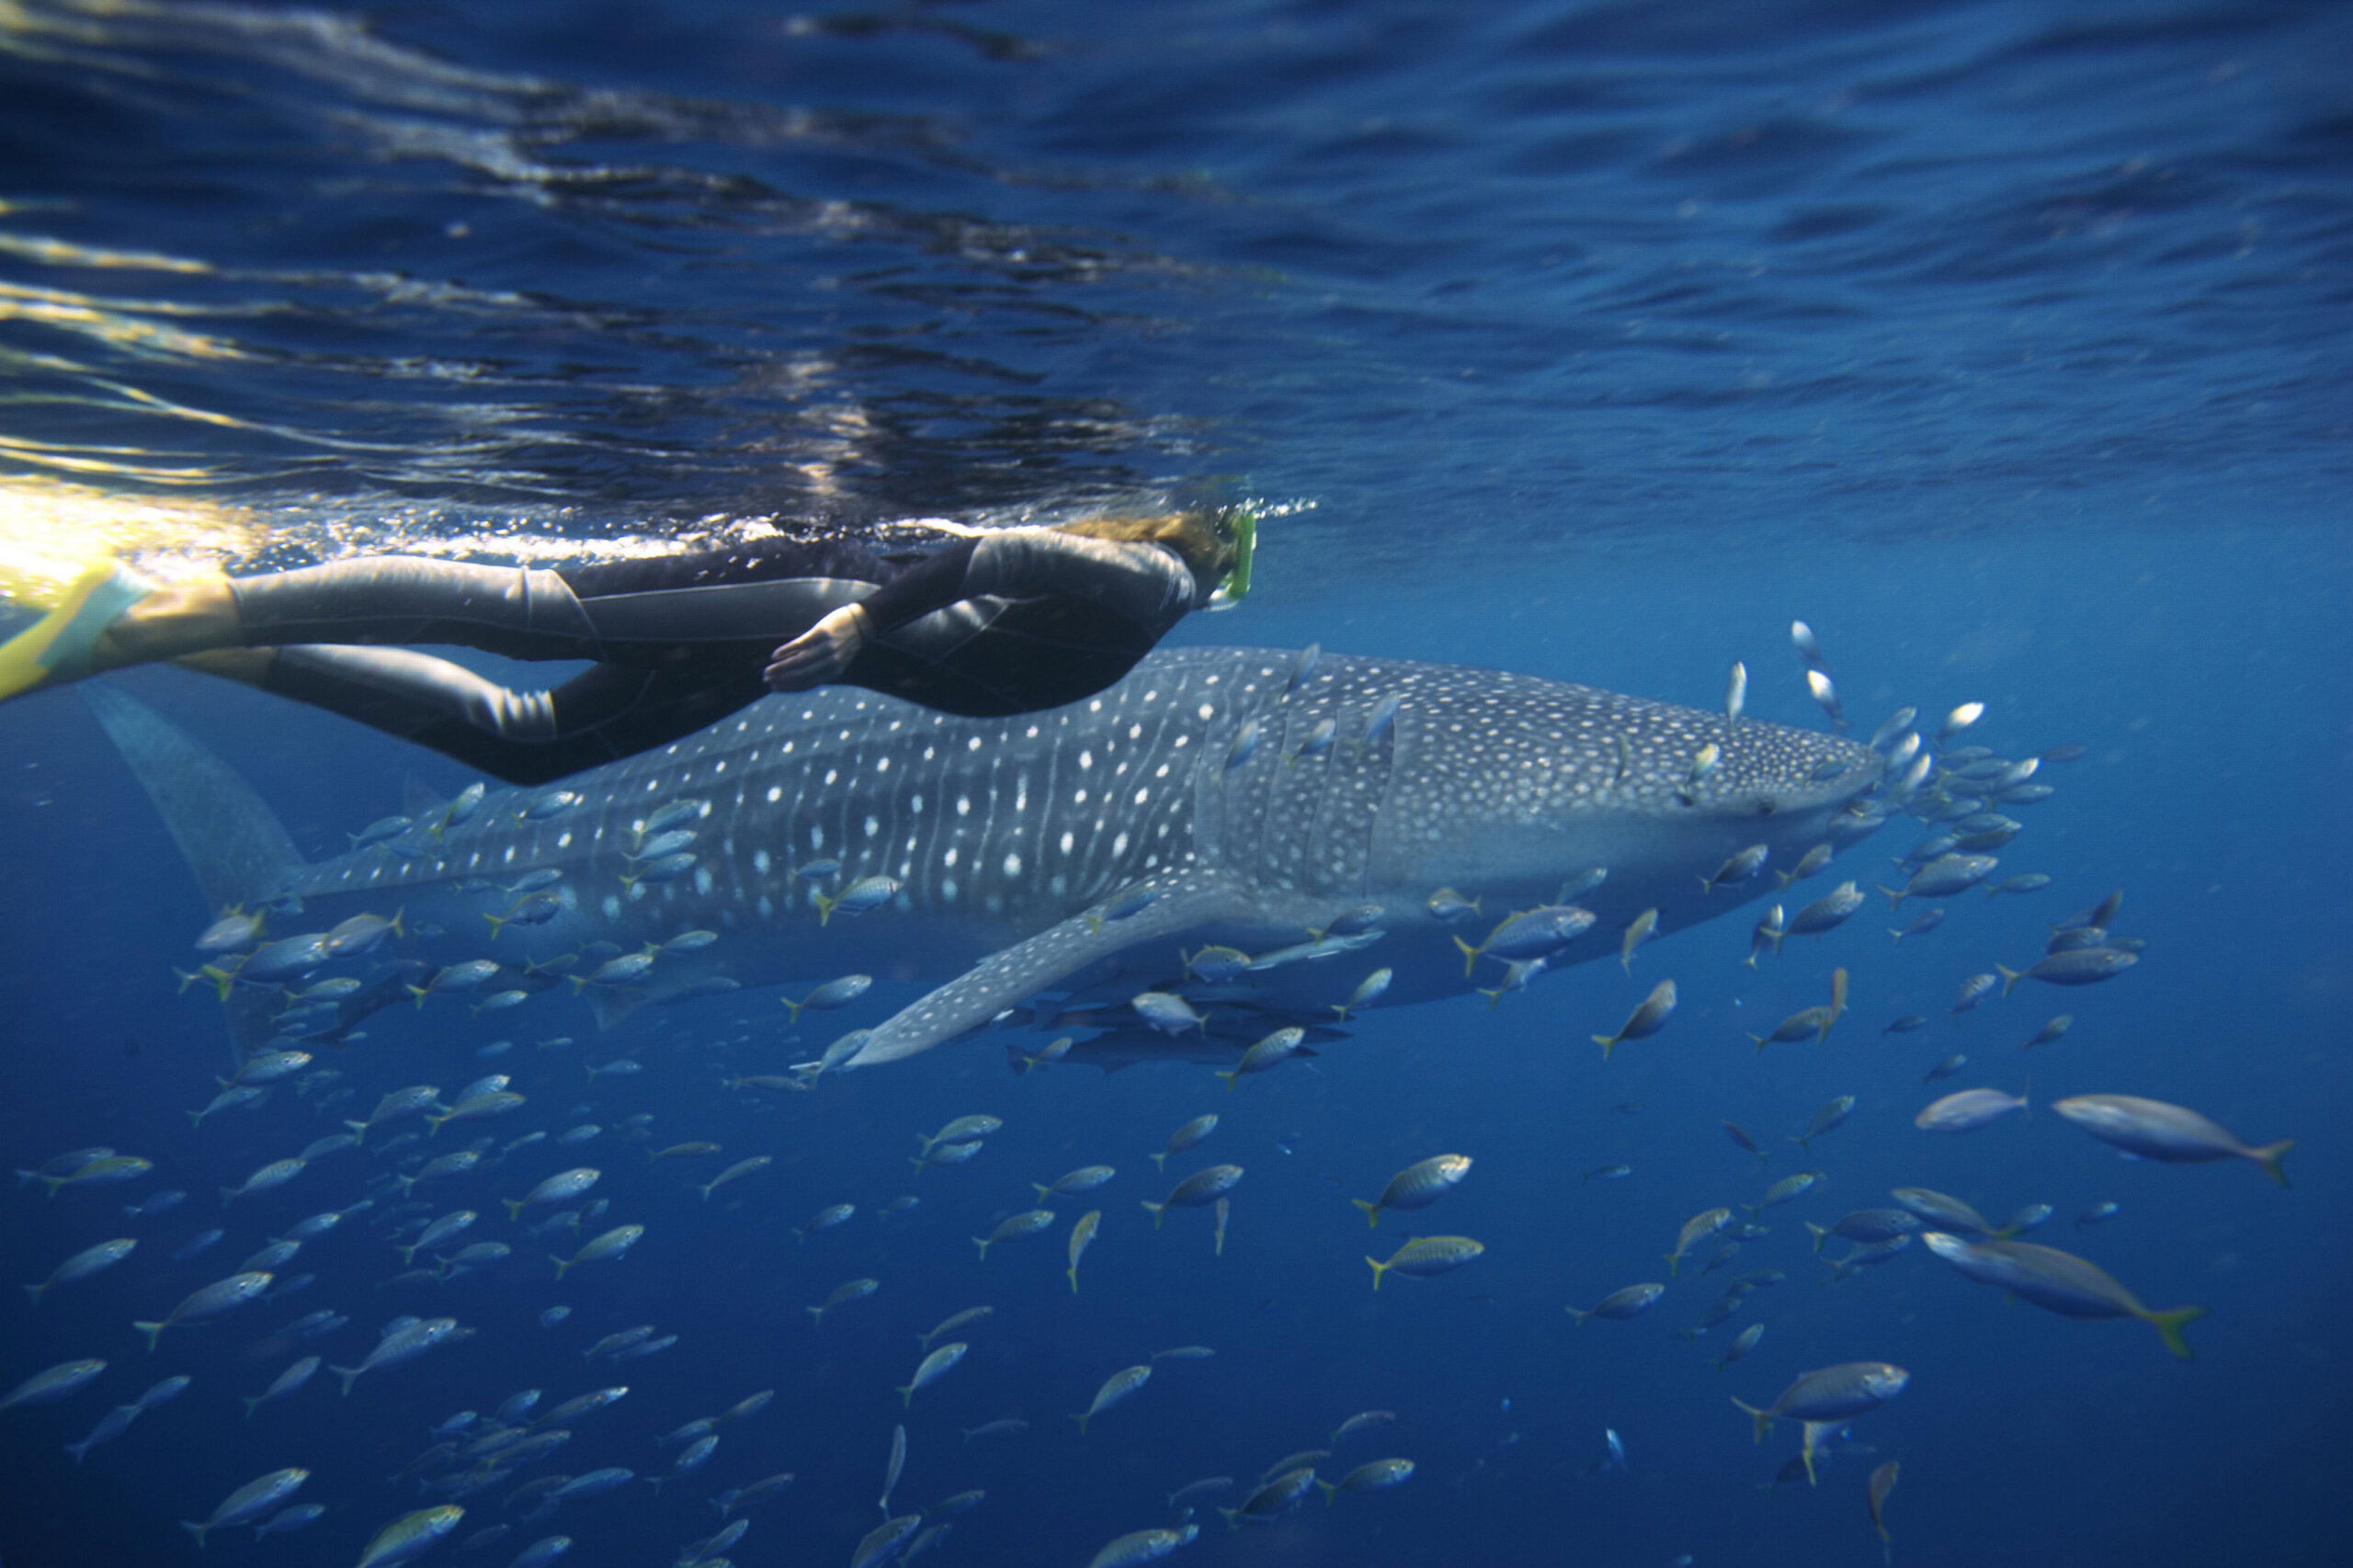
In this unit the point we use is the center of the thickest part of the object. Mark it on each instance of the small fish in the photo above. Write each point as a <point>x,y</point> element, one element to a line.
<point>1740,1136</point>
<point>1362,1421</point>
<point>1646,1019</point>
<point>1087,1179</point>
<point>1802,638</point>
<point>82,1264</point>
<point>1244,746</point>
<point>2024,882</point>
<point>1169,1013</point>
<point>736,1172</point>
<point>1367,992</point>
<point>1418,1185</point>
<point>250,1502</point>
<point>288,1381</point>
<point>1704,763</point>
<point>1771,926</point>
<point>1530,933</point>
<point>2080,966</point>
<point>1922,924</point>
<point>1742,1346</point>
<point>1641,930</point>
<point>1813,1021</point>
<point>1943,1211</point>
<point>1272,1500</point>
<point>1866,1226</point>
<point>1824,692</point>
<point>1144,1546</point>
<point>1018,1227</point>
<point>1115,1387</point>
<point>1047,1054</point>
<point>864,894</point>
<point>606,1247</point>
<point>1318,742</point>
<point>1968,1110</point>
<point>1697,1229</point>
<point>825,1218</point>
<point>1268,1053</point>
<point>1082,1236</point>
<point>2171,1134</point>
<point>1809,864</point>
<point>2050,1031</point>
<point>1426,1256</point>
<point>556,1189</point>
<point>1196,1191</point>
<point>2098,1213</point>
<point>1906,1024</point>
<point>1832,1394</point>
<point>1947,1068</point>
<point>1959,719</point>
<point>221,1295</point>
<point>412,1535</point>
<point>833,994</point>
<point>1882,1481</point>
<point>1942,877</point>
<point>1829,1118</point>
<point>1004,1427</point>
<point>1827,912</point>
<point>1735,695</point>
<point>1974,990</point>
<point>1738,869</point>
<point>1789,1188</point>
<point>61,1381</point>
<point>1621,1305</point>
<point>1186,1137</point>
<point>1451,907</point>
<point>2058,1282</point>
<point>1376,1475</point>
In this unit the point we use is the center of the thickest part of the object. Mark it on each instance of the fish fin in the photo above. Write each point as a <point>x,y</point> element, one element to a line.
<point>1160,1162</point>
<point>1229,1077</point>
<point>1674,1262</point>
<point>2269,1157</point>
<point>1894,895</point>
<point>1470,956</point>
<point>982,1243</point>
<point>1579,1316</point>
<point>197,1530</point>
<point>1764,1418</point>
<point>348,1375</point>
<point>251,1405</point>
<point>560,1264</point>
<point>1820,1234</point>
<point>1379,1268</point>
<point>2169,1324</point>
<point>1371,1215</point>
<point>1157,1211</point>
<point>233,842</point>
<point>1608,1042</point>
<point>1186,898</point>
<point>2010,977</point>
<point>154,1331</point>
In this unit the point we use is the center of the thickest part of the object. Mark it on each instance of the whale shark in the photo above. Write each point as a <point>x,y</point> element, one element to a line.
<point>1301,809</point>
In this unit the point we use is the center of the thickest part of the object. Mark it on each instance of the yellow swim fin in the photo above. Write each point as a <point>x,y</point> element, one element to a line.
<point>57,647</point>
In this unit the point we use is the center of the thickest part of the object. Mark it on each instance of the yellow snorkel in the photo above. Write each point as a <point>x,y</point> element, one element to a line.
<point>1243,524</point>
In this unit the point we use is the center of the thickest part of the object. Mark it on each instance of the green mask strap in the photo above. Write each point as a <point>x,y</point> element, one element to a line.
<point>1237,581</point>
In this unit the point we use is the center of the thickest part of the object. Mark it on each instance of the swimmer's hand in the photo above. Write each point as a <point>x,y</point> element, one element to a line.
<point>821,653</point>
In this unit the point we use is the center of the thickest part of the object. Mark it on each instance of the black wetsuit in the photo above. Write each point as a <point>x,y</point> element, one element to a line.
<point>1007,622</point>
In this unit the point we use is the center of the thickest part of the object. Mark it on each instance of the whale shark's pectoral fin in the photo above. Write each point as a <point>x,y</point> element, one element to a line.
<point>1185,898</point>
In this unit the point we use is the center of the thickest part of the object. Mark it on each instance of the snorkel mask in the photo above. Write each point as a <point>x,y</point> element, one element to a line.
<point>1242,525</point>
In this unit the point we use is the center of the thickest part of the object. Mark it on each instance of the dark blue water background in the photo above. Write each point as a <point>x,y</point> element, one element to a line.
<point>2005,343</point>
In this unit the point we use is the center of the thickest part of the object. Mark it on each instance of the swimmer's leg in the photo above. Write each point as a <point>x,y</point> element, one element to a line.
<point>523,737</point>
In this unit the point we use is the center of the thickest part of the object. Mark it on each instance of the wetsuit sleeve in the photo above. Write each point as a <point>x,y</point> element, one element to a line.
<point>1141,583</point>
<point>933,584</point>
<point>1146,584</point>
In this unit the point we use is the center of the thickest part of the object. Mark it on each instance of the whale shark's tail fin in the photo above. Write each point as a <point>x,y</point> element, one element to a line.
<point>232,840</point>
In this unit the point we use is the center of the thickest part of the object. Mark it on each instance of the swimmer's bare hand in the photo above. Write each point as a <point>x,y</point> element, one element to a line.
<point>821,653</point>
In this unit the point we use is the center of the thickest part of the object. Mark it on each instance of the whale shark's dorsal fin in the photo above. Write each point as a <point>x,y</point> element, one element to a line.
<point>1180,901</point>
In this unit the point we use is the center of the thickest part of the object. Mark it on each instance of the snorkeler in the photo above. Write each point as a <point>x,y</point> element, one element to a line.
<point>996,621</point>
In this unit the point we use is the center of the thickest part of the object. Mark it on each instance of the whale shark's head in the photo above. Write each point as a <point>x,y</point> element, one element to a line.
<point>1510,782</point>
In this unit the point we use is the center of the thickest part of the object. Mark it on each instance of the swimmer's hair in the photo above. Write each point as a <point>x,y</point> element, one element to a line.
<point>1198,534</point>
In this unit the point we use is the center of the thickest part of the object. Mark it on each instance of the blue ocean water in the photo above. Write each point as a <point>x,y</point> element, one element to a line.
<point>2003,343</point>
